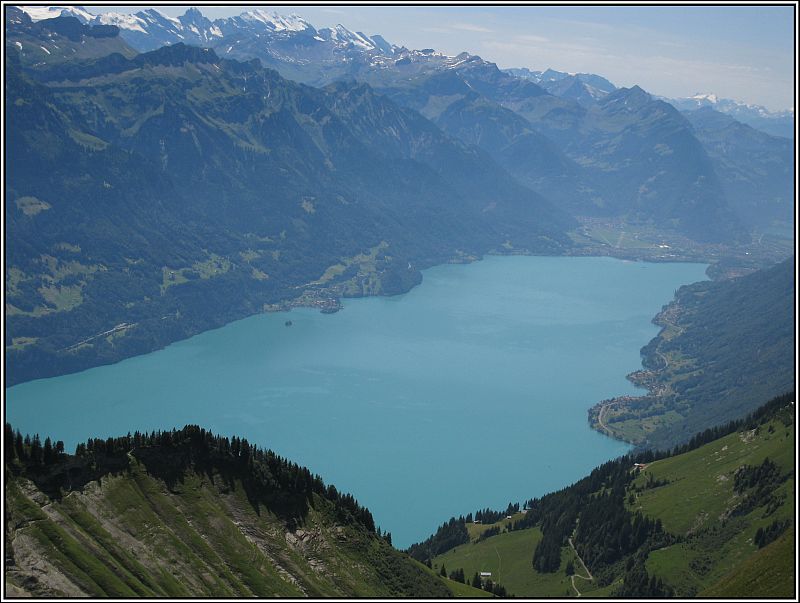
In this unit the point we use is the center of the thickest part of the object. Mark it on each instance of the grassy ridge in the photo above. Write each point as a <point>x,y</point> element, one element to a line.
<point>702,480</point>
<point>770,572</point>
<point>129,535</point>
<point>699,504</point>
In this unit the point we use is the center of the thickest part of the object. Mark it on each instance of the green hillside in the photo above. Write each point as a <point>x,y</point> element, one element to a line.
<point>769,572</point>
<point>507,557</point>
<point>185,514</point>
<point>715,518</point>
<point>701,504</point>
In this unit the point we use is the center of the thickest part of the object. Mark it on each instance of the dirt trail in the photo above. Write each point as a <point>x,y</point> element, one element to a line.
<point>588,575</point>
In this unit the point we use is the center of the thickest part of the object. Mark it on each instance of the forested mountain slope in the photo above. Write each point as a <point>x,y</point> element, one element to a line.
<point>723,345</point>
<point>185,191</point>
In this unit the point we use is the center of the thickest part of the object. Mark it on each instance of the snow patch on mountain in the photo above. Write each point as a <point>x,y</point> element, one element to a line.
<point>711,98</point>
<point>157,16</point>
<point>277,22</point>
<point>129,22</point>
<point>37,13</point>
<point>343,36</point>
<point>727,105</point>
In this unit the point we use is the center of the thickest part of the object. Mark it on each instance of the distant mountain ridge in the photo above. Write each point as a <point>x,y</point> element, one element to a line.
<point>149,29</point>
<point>755,168</point>
<point>639,158</point>
<point>275,39</point>
<point>37,13</point>
<point>59,38</point>
<point>585,88</point>
<point>548,150</point>
<point>729,106</point>
<point>542,153</point>
<point>776,123</point>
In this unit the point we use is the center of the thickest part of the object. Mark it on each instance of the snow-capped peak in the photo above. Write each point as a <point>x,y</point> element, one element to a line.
<point>129,22</point>
<point>343,35</point>
<point>37,13</point>
<point>157,15</point>
<point>711,98</point>
<point>276,21</point>
<point>382,45</point>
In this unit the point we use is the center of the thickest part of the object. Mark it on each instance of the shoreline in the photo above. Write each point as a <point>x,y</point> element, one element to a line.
<point>654,365</point>
<point>487,282</point>
<point>723,262</point>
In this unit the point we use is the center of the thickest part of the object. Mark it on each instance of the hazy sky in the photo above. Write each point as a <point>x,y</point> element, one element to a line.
<point>740,52</point>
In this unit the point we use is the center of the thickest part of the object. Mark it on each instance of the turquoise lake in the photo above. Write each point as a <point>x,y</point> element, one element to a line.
<point>469,391</point>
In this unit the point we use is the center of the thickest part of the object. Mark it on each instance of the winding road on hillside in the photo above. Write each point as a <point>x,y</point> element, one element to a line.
<point>602,413</point>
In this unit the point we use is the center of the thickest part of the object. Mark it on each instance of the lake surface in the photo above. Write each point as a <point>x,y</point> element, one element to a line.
<point>469,391</point>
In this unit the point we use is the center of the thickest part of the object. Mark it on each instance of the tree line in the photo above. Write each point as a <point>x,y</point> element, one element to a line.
<point>448,536</point>
<point>457,575</point>
<point>284,487</point>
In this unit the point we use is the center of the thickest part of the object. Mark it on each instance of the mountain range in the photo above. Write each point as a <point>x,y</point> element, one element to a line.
<point>639,182</point>
<point>319,56</point>
<point>168,175</point>
<point>755,168</point>
<point>53,40</point>
<point>585,88</point>
<point>776,123</point>
<point>177,173</point>
<point>209,165</point>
